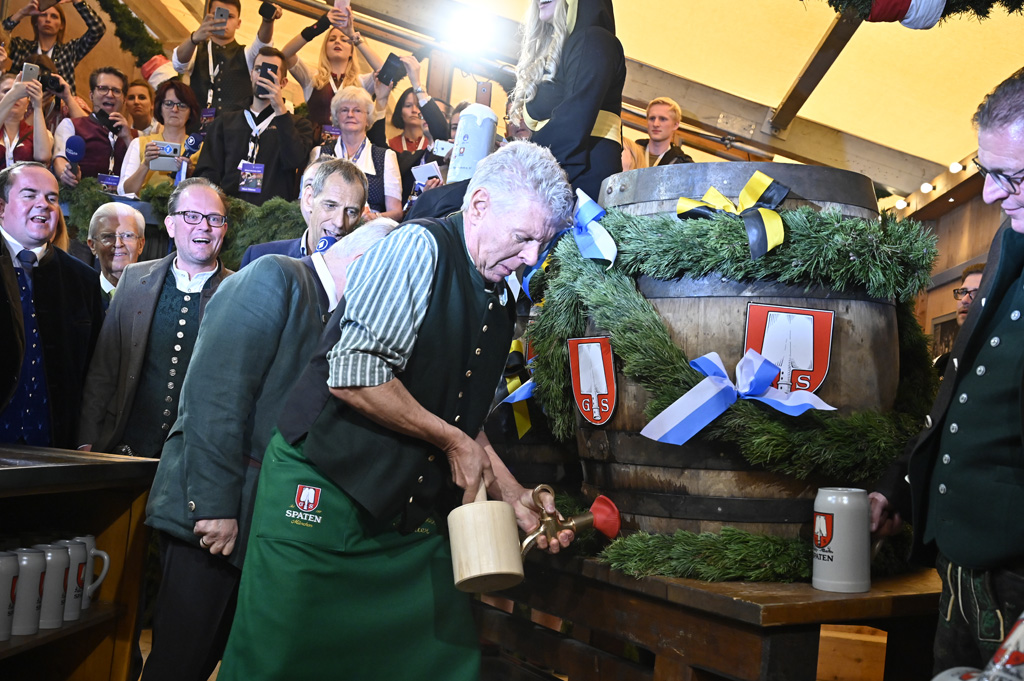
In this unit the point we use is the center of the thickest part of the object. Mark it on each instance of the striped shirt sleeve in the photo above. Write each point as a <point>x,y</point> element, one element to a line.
<point>386,299</point>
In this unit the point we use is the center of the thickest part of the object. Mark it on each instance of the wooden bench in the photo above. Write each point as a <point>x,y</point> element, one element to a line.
<point>701,631</point>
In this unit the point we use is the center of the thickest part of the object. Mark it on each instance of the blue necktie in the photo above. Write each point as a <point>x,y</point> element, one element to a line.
<point>28,260</point>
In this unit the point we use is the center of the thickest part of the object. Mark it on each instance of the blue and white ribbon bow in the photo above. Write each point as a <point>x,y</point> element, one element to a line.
<point>707,400</point>
<point>593,240</point>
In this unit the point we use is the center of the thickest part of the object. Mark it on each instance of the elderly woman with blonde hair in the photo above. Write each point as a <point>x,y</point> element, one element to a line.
<point>350,111</point>
<point>569,83</point>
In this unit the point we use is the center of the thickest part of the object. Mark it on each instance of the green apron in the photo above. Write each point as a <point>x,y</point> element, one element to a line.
<point>326,594</point>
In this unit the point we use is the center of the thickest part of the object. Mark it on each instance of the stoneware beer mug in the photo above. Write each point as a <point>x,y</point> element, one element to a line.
<point>76,578</point>
<point>92,582</point>
<point>842,540</point>
<point>55,585</point>
<point>28,596</point>
<point>8,581</point>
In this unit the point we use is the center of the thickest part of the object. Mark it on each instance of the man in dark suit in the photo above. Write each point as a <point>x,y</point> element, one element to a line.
<point>134,381</point>
<point>270,315</point>
<point>962,480</point>
<point>345,189</point>
<point>54,310</point>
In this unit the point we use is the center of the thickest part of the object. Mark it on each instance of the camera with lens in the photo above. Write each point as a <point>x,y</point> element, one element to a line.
<point>50,83</point>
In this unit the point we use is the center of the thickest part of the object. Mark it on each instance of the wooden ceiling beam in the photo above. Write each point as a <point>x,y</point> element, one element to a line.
<point>825,54</point>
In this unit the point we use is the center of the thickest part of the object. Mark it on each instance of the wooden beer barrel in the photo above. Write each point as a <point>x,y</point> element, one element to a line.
<point>704,485</point>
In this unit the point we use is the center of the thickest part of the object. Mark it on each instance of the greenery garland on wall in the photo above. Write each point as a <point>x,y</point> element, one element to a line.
<point>247,224</point>
<point>132,33</point>
<point>887,259</point>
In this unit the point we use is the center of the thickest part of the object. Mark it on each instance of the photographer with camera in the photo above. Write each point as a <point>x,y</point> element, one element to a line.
<point>106,133</point>
<point>218,65</point>
<point>48,28</point>
<point>21,141</point>
<point>157,159</point>
<point>258,153</point>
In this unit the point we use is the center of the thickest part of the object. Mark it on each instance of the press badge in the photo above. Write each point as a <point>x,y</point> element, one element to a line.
<point>206,117</point>
<point>108,183</point>
<point>252,177</point>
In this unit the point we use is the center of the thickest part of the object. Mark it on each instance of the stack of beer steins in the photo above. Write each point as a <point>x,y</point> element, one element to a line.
<point>48,584</point>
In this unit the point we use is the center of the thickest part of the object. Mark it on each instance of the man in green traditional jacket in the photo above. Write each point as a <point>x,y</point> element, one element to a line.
<point>965,471</point>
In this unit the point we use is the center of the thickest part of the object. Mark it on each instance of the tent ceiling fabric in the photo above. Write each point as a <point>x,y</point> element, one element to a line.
<point>913,91</point>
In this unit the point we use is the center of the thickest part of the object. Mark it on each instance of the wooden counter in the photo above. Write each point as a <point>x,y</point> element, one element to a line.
<point>48,494</point>
<point>703,631</point>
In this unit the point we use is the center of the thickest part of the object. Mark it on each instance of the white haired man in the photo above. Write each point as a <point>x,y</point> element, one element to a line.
<point>404,381</point>
<point>117,233</point>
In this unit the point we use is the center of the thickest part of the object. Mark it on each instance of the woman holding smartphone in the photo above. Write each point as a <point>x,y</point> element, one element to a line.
<point>337,66</point>
<point>176,107</point>
<point>21,141</point>
<point>48,24</point>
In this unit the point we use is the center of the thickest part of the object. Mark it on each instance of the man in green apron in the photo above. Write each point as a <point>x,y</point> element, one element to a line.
<point>348,572</point>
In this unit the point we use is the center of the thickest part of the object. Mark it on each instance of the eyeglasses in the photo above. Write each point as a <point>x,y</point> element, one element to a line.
<point>961,293</point>
<point>171,104</point>
<point>110,239</point>
<point>192,217</point>
<point>107,90</point>
<point>1009,183</point>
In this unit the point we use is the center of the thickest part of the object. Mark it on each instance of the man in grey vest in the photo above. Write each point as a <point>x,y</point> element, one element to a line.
<point>381,437</point>
<point>965,495</point>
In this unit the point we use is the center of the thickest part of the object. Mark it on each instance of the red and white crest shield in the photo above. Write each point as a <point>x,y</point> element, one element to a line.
<point>822,529</point>
<point>593,378</point>
<point>307,498</point>
<point>798,340</point>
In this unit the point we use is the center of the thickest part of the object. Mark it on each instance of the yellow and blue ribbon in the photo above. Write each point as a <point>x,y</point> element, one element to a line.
<point>758,201</point>
<point>518,392</point>
<point>709,399</point>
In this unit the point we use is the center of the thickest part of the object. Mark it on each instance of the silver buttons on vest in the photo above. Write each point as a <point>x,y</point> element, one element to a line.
<point>953,428</point>
<point>980,370</point>
<point>457,418</point>
<point>188,298</point>
<point>191,505</point>
<point>181,335</point>
<point>469,373</point>
<point>181,322</point>
<point>942,489</point>
<point>1015,315</point>
<point>963,398</point>
<point>477,351</point>
<point>994,342</point>
<point>928,421</point>
<point>945,458</point>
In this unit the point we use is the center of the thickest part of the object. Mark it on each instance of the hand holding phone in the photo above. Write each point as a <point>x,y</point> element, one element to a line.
<point>268,71</point>
<point>29,71</point>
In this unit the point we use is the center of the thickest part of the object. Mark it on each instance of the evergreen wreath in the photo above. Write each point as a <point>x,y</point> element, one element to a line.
<point>889,258</point>
<point>248,224</point>
<point>979,8</point>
